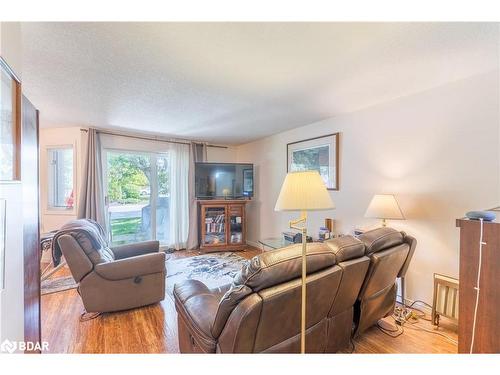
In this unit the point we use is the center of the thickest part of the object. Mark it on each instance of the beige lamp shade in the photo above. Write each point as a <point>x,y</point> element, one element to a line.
<point>384,206</point>
<point>303,191</point>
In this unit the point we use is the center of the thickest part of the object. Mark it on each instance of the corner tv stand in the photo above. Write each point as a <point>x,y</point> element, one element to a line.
<point>222,224</point>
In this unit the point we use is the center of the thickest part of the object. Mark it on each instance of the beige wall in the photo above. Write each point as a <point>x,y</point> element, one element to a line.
<point>436,150</point>
<point>222,155</point>
<point>51,137</point>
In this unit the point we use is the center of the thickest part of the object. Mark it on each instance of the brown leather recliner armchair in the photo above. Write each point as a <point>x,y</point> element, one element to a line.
<point>111,279</point>
<point>260,312</point>
<point>390,253</point>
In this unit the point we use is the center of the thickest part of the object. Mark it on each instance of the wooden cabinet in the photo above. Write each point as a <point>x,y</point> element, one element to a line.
<point>222,225</point>
<point>487,337</point>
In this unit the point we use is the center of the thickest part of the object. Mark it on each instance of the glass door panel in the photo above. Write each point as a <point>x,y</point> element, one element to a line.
<point>129,197</point>
<point>235,225</point>
<point>163,199</point>
<point>215,226</point>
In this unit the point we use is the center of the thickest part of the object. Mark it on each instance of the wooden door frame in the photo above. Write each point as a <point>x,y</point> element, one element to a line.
<point>32,255</point>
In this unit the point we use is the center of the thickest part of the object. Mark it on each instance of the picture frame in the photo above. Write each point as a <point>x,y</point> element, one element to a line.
<point>318,153</point>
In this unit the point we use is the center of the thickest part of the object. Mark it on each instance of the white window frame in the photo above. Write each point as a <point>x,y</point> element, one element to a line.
<point>60,210</point>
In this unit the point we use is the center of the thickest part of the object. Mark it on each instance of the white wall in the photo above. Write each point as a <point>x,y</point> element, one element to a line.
<point>10,45</point>
<point>53,137</point>
<point>436,150</point>
<point>222,155</point>
<point>12,297</point>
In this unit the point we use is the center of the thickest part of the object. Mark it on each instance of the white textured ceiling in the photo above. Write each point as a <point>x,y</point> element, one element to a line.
<point>236,82</point>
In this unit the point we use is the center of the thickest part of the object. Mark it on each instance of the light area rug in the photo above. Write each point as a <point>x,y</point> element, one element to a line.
<point>57,284</point>
<point>213,270</point>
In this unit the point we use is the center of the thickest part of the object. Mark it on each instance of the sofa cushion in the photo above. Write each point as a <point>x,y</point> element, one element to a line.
<point>282,265</point>
<point>380,239</point>
<point>346,247</point>
<point>189,288</point>
<point>227,304</point>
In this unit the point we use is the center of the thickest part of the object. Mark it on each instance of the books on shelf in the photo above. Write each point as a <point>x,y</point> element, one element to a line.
<point>215,228</point>
<point>215,223</point>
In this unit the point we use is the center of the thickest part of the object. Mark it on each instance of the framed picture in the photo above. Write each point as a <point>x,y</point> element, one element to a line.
<point>320,154</point>
<point>2,243</point>
<point>10,125</point>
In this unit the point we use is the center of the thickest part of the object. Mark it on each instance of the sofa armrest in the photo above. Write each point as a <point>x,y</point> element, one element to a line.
<point>132,267</point>
<point>197,306</point>
<point>135,249</point>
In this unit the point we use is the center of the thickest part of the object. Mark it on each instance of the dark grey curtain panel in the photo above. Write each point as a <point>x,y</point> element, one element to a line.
<point>91,204</point>
<point>198,152</point>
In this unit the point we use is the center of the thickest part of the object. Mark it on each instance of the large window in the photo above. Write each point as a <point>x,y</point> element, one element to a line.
<point>60,178</point>
<point>138,196</point>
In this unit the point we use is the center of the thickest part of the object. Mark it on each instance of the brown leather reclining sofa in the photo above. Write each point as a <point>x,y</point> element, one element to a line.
<point>350,284</point>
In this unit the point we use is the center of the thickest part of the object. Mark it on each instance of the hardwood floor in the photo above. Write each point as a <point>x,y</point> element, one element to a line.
<point>153,329</point>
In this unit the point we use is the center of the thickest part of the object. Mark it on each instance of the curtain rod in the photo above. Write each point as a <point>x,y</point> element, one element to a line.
<point>149,138</point>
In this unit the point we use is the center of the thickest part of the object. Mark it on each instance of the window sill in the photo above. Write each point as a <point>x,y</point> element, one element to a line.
<point>62,211</point>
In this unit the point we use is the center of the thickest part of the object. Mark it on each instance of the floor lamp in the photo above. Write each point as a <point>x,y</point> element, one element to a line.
<point>303,191</point>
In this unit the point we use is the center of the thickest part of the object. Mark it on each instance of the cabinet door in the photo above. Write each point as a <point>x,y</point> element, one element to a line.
<point>236,224</point>
<point>214,225</point>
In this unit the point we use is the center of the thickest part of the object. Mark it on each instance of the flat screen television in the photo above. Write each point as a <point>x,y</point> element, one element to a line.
<point>223,180</point>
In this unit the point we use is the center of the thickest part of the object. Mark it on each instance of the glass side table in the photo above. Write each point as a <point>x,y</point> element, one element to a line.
<point>274,243</point>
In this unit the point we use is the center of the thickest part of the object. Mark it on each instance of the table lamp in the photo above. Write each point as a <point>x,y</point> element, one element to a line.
<point>384,206</point>
<point>303,191</point>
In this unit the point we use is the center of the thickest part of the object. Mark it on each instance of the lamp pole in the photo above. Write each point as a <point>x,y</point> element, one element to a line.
<point>303,229</point>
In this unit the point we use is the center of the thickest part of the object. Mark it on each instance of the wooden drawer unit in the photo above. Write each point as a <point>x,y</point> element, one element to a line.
<point>487,336</point>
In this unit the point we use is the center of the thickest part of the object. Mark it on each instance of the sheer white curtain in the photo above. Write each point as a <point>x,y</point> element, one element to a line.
<point>179,195</point>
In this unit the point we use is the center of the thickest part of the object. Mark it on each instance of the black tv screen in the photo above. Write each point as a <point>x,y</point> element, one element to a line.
<point>223,180</point>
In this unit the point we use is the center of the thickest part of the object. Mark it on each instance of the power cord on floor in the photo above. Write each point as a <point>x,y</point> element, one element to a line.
<point>391,333</point>
<point>422,312</point>
<point>419,328</point>
<point>421,302</point>
<point>411,323</point>
<point>353,346</point>
<point>86,316</point>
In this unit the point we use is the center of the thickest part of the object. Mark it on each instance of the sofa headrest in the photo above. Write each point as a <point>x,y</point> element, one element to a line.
<point>90,236</point>
<point>381,238</point>
<point>282,265</point>
<point>346,247</point>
